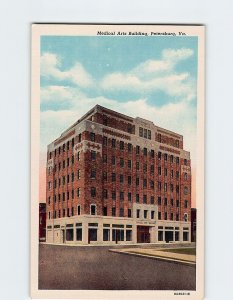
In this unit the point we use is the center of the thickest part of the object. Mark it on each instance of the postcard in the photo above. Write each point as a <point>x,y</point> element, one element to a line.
<point>117,161</point>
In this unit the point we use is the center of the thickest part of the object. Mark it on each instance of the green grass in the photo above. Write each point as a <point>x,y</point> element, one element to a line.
<point>188,251</point>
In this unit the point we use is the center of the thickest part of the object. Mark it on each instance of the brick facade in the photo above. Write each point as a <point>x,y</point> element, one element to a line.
<point>113,163</point>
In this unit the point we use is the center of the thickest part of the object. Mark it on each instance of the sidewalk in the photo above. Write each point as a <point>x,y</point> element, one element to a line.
<point>159,253</point>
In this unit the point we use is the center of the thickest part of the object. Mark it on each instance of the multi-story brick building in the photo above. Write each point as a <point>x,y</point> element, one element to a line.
<point>116,179</point>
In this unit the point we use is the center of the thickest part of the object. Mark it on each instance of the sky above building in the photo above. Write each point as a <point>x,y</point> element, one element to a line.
<point>149,77</point>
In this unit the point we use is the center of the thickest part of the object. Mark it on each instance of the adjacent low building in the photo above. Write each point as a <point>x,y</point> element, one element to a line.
<point>42,222</point>
<point>113,179</point>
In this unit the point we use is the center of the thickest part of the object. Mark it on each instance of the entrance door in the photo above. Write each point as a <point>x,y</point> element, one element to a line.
<point>143,234</point>
<point>63,236</point>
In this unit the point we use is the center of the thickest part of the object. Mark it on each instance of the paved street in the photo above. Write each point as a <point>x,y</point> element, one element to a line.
<point>64,267</point>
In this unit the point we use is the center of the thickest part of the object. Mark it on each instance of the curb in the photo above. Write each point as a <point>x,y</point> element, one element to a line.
<point>171,260</point>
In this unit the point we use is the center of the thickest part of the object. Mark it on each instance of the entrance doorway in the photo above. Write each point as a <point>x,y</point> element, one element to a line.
<point>143,234</point>
<point>168,236</point>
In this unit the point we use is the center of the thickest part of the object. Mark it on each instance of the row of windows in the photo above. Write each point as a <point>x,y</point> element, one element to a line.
<point>66,196</point>
<point>65,147</point>
<point>139,213</point>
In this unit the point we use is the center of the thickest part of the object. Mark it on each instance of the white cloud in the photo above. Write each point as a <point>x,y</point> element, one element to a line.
<point>155,75</point>
<point>50,64</point>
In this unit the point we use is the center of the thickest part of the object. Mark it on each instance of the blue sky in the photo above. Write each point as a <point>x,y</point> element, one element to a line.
<point>151,77</point>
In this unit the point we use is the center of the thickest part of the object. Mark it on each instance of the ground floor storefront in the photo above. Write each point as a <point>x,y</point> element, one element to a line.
<point>107,230</point>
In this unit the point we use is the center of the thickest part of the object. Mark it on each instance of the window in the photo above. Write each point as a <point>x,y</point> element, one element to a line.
<point>177,160</point>
<point>171,187</point>
<point>171,158</point>
<point>105,194</point>
<point>186,217</point>
<point>172,173</point>
<point>78,156</point>
<point>72,194</point>
<point>186,203</point>
<point>137,149</point>
<point>165,156</point>
<point>93,192</point>
<point>113,177</point>
<point>137,165</point>
<point>186,190</point>
<point>121,212</point>
<point>121,196</point>
<point>172,202</point>
<point>171,216</point>
<point>177,143</point>
<point>144,168</point>
<point>113,160</point>
<point>145,214</point>
<point>185,236</point>
<point>165,171</point>
<point>129,197</point>
<point>152,169</point>
<point>72,177</point>
<point>63,196</point>
<point>159,200</point>
<point>72,211</point>
<point>140,131</point>
<point>129,164</point>
<point>145,133</point>
<point>145,151</point>
<point>177,217</point>
<point>159,137</point>
<point>152,184</point>
<point>79,174</point>
<point>128,235</point>
<point>129,180</point>
<point>177,188</point>
<point>137,181</point>
<point>122,145</point>
<point>59,150</point>
<point>113,195</point>
<point>137,198</point>
<point>159,185</point>
<point>105,211</point>
<point>68,178</point>
<point>152,199</point>
<point>68,212</point>
<point>138,213</point>
<point>159,170</point>
<point>59,166</point>
<point>149,134</point>
<point>49,200</point>
<point>50,185</point>
<point>79,234</point>
<point>68,195</point>
<point>159,155</point>
<point>70,234</point>
<point>92,234</point>
<point>64,213</point>
<point>93,173</point>
<point>93,155</point>
<point>144,183</point>
<point>144,199</point>
<point>152,214</point>
<point>129,148</point>
<point>72,142</point>
<point>121,162</point>
<point>159,215</point>
<point>64,164</point>
<point>177,203</point>
<point>165,216</point>
<point>165,201</point>
<point>129,128</point>
<point>114,211</point>
<point>152,153</point>
<point>185,162</point>
<point>129,213</point>
<point>105,141</point>
<point>106,234</point>
<point>177,174</point>
<point>185,176</point>
<point>93,209</point>
<point>79,137</point>
<point>68,162</point>
<point>55,198</point>
<point>113,143</point>
<point>165,187</point>
<point>121,178</point>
